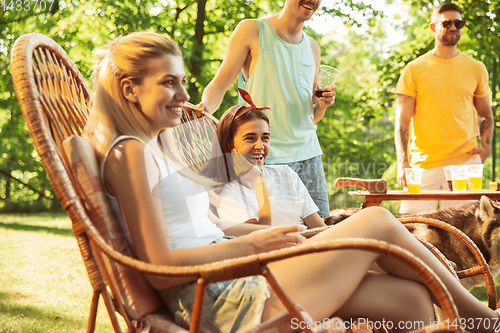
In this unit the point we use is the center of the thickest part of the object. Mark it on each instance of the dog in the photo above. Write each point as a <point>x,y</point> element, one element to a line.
<point>479,220</point>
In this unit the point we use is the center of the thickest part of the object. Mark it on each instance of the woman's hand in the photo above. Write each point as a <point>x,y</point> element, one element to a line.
<point>275,238</point>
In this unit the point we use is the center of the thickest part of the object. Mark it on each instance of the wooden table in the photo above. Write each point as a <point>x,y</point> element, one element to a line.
<point>374,199</point>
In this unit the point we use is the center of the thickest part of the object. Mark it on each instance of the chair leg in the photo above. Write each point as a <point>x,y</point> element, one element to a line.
<point>284,298</point>
<point>93,312</point>
<point>111,310</point>
<point>109,306</point>
<point>199,299</point>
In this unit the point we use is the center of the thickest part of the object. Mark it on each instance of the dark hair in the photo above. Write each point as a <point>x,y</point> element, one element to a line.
<point>220,166</point>
<point>444,7</point>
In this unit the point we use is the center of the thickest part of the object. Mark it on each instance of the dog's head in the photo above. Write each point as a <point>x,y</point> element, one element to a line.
<point>488,214</point>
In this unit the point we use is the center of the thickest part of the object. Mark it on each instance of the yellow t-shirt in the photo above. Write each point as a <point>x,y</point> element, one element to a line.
<point>444,128</point>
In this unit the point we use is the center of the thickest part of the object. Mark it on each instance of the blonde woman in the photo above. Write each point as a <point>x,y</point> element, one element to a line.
<point>139,92</point>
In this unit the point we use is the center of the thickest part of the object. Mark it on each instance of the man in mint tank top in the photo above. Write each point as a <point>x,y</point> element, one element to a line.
<point>277,63</point>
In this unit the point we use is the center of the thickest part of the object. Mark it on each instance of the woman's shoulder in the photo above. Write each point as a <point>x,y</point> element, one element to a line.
<point>130,154</point>
<point>126,146</point>
<point>125,140</point>
<point>128,161</point>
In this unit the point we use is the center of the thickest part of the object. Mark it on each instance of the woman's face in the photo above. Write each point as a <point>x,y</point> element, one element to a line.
<point>162,94</point>
<point>253,140</point>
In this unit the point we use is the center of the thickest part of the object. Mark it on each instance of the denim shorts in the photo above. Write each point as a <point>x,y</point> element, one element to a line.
<point>313,176</point>
<point>230,306</point>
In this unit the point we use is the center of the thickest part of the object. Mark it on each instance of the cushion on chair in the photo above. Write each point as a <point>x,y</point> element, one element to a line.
<point>134,291</point>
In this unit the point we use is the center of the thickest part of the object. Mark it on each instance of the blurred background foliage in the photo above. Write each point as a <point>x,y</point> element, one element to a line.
<point>357,132</point>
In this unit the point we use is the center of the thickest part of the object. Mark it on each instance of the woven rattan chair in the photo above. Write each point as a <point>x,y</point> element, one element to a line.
<point>482,268</point>
<point>55,102</point>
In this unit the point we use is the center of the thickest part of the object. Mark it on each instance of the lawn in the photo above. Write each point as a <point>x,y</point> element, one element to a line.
<point>43,283</point>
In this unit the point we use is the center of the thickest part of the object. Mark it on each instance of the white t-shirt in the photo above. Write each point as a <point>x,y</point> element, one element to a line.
<point>185,207</point>
<point>237,203</point>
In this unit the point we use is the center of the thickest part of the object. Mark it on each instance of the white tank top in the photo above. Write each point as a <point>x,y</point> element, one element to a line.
<point>185,206</point>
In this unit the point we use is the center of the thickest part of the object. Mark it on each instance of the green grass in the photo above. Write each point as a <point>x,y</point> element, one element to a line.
<point>43,283</point>
<point>44,286</point>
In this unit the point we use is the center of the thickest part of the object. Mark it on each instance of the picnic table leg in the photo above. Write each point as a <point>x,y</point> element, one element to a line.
<point>368,202</point>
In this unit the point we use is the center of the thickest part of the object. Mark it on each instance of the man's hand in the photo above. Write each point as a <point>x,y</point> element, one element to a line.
<point>483,152</point>
<point>328,96</point>
<point>401,173</point>
<point>202,109</point>
<point>327,99</point>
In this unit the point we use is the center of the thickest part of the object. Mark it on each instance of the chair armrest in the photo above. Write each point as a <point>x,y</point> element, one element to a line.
<point>483,267</point>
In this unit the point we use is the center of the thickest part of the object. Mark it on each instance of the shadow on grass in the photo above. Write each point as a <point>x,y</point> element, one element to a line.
<point>40,317</point>
<point>35,228</point>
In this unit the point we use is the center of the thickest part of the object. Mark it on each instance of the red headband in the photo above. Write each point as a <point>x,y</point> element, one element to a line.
<point>246,97</point>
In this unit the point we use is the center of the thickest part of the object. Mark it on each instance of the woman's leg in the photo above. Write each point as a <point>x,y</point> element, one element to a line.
<point>398,304</point>
<point>384,300</point>
<point>326,281</point>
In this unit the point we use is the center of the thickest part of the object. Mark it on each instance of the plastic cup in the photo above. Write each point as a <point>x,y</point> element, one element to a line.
<point>474,176</point>
<point>326,78</point>
<point>285,210</point>
<point>447,174</point>
<point>413,179</point>
<point>458,178</point>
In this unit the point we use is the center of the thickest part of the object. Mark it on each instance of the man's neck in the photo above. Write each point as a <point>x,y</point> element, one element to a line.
<point>288,28</point>
<point>444,51</point>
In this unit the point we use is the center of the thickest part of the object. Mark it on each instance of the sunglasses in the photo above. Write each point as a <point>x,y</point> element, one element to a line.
<point>459,24</point>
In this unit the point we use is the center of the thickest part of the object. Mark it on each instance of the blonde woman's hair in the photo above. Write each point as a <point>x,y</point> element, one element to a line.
<point>112,115</point>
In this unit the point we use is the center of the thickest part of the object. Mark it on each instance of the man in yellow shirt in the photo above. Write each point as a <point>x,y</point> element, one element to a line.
<point>440,95</point>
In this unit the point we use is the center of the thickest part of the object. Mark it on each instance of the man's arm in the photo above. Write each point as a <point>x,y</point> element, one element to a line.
<point>240,45</point>
<point>320,104</point>
<point>483,108</point>
<point>405,109</point>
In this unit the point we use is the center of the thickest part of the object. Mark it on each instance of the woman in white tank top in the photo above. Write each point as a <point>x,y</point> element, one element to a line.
<point>139,92</point>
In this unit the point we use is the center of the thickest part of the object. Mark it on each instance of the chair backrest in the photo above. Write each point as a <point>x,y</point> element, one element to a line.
<point>195,137</point>
<point>55,102</point>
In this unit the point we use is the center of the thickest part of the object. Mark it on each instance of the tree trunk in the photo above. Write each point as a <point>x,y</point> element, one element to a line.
<point>196,61</point>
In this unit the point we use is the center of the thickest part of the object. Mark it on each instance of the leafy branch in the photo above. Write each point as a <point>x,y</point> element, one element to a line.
<point>7,174</point>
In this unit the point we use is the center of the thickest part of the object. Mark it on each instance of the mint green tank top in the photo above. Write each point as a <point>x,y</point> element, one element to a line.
<point>283,80</point>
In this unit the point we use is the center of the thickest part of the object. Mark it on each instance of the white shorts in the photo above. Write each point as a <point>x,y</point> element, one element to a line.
<point>433,179</point>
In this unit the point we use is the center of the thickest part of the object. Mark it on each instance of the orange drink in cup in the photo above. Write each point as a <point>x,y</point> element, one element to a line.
<point>413,179</point>
<point>459,178</point>
<point>474,176</point>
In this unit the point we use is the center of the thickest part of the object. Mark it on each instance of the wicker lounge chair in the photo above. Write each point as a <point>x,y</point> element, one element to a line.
<point>55,102</point>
